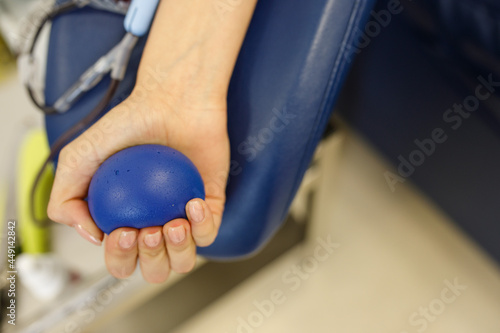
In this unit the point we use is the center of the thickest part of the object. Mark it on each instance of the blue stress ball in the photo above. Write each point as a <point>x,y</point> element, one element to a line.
<point>143,186</point>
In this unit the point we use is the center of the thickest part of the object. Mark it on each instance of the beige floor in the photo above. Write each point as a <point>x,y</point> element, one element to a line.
<point>396,255</point>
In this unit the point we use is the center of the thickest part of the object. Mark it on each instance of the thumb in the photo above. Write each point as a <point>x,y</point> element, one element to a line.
<point>78,161</point>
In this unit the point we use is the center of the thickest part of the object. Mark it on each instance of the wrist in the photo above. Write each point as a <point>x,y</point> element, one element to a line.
<point>181,84</point>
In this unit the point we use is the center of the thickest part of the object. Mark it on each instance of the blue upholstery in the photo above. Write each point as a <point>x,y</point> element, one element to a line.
<point>474,20</point>
<point>395,95</point>
<point>288,75</point>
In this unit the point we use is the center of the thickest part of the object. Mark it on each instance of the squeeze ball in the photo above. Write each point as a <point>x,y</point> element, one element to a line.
<point>143,186</point>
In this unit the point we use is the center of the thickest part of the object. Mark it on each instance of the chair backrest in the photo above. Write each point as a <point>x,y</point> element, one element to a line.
<point>289,72</point>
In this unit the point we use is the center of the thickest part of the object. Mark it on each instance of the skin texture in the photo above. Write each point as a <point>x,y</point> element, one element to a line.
<point>179,101</point>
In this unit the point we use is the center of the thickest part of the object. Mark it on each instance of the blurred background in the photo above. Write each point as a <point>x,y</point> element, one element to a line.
<point>395,227</point>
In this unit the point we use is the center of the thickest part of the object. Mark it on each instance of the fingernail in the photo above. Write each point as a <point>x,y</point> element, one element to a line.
<point>153,240</point>
<point>177,234</point>
<point>85,234</point>
<point>196,212</point>
<point>127,239</point>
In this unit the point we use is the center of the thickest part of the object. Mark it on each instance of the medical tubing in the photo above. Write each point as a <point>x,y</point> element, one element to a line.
<point>63,140</point>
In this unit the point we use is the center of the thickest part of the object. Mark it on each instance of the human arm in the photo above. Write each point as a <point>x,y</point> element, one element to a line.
<point>179,100</point>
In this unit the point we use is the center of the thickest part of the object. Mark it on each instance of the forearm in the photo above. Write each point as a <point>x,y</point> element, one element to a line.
<point>193,46</point>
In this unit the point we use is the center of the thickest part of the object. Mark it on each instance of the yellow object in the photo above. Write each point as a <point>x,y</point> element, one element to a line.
<point>7,61</point>
<point>34,150</point>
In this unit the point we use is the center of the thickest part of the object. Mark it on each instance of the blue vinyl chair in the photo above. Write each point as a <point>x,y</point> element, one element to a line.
<point>395,95</point>
<point>290,70</point>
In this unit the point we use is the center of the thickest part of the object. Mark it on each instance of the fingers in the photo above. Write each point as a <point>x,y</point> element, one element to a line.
<point>180,245</point>
<point>153,256</point>
<point>66,203</point>
<point>161,250</point>
<point>75,213</point>
<point>204,223</point>
<point>121,252</point>
<point>76,165</point>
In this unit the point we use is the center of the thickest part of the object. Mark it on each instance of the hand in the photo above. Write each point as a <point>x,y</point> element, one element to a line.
<point>179,101</point>
<point>195,126</point>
